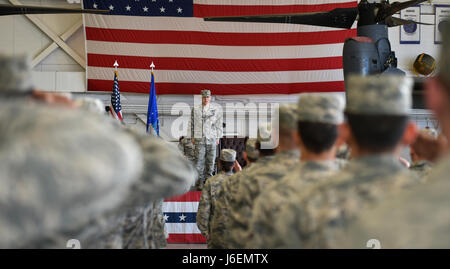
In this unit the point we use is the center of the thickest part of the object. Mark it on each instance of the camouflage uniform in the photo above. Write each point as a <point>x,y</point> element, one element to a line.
<point>418,218</point>
<point>270,202</point>
<point>143,226</point>
<point>58,171</point>
<point>317,217</point>
<point>206,207</point>
<point>139,228</point>
<point>250,149</point>
<point>206,128</point>
<point>137,221</point>
<point>187,148</point>
<point>343,152</point>
<point>327,109</point>
<point>422,168</point>
<point>73,174</point>
<point>228,188</point>
<point>249,188</point>
<point>93,105</point>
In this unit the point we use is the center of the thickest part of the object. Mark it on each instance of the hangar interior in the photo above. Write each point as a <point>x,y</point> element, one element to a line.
<point>56,44</point>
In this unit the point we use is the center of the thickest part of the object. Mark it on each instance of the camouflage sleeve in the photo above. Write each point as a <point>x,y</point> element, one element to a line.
<point>166,172</point>
<point>157,227</point>
<point>261,223</point>
<point>220,217</point>
<point>219,125</point>
<point>290,226</point>
<point>204,210</point>
<point>190,129</point>
<point>302,221</point>
<point>240,212</point>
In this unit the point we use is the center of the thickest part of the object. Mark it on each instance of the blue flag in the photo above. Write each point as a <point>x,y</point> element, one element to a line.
<point>152,113</point>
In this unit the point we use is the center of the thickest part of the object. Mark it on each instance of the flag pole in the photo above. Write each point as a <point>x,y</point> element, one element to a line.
<point>152,112</point>
<point>116,65</point>
<point>152,66</point>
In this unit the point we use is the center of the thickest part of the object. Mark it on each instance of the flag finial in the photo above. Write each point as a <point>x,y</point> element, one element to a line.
<point>116,65</point>
<point>152,66</point>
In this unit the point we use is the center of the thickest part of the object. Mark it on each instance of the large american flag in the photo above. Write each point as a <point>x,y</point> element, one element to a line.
<point>226,57</point>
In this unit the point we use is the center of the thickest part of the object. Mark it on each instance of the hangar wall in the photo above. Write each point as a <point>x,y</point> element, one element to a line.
<point>59,72</point>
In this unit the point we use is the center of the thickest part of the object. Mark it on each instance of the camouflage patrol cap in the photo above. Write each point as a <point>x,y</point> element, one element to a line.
<point>444,60</point>
<point>322,108</point>
<point>264,132</point>
<point>228,155</point>
<point>250,149</point>
<point>90,104</point>
<point>379,95</point>
<point>288,116</point>
<point>15,73</point>
<point>206,93</point>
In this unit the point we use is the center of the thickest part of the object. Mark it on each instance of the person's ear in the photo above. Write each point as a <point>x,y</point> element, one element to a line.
<point>410,134</point>
<point>435,96</point>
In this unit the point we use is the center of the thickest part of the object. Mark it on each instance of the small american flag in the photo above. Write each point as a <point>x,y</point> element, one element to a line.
<point>225,57</point>
<point>180,216</point>
<point>116,108</point>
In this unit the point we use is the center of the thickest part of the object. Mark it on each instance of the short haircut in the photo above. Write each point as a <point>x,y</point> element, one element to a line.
<point>377,133</point>
<point>317,137</point>
<point>226,166</point>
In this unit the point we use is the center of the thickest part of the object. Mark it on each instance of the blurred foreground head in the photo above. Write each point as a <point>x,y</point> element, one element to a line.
<point>16,81</point>
<point>15,74</point>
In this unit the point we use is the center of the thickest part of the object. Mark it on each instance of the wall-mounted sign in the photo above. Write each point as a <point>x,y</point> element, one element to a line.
<point>442,14</point>
<point>410,33</point>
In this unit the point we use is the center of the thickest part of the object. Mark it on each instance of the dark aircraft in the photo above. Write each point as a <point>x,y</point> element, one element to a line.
<point>23,10</point>
<point>368,53</point>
